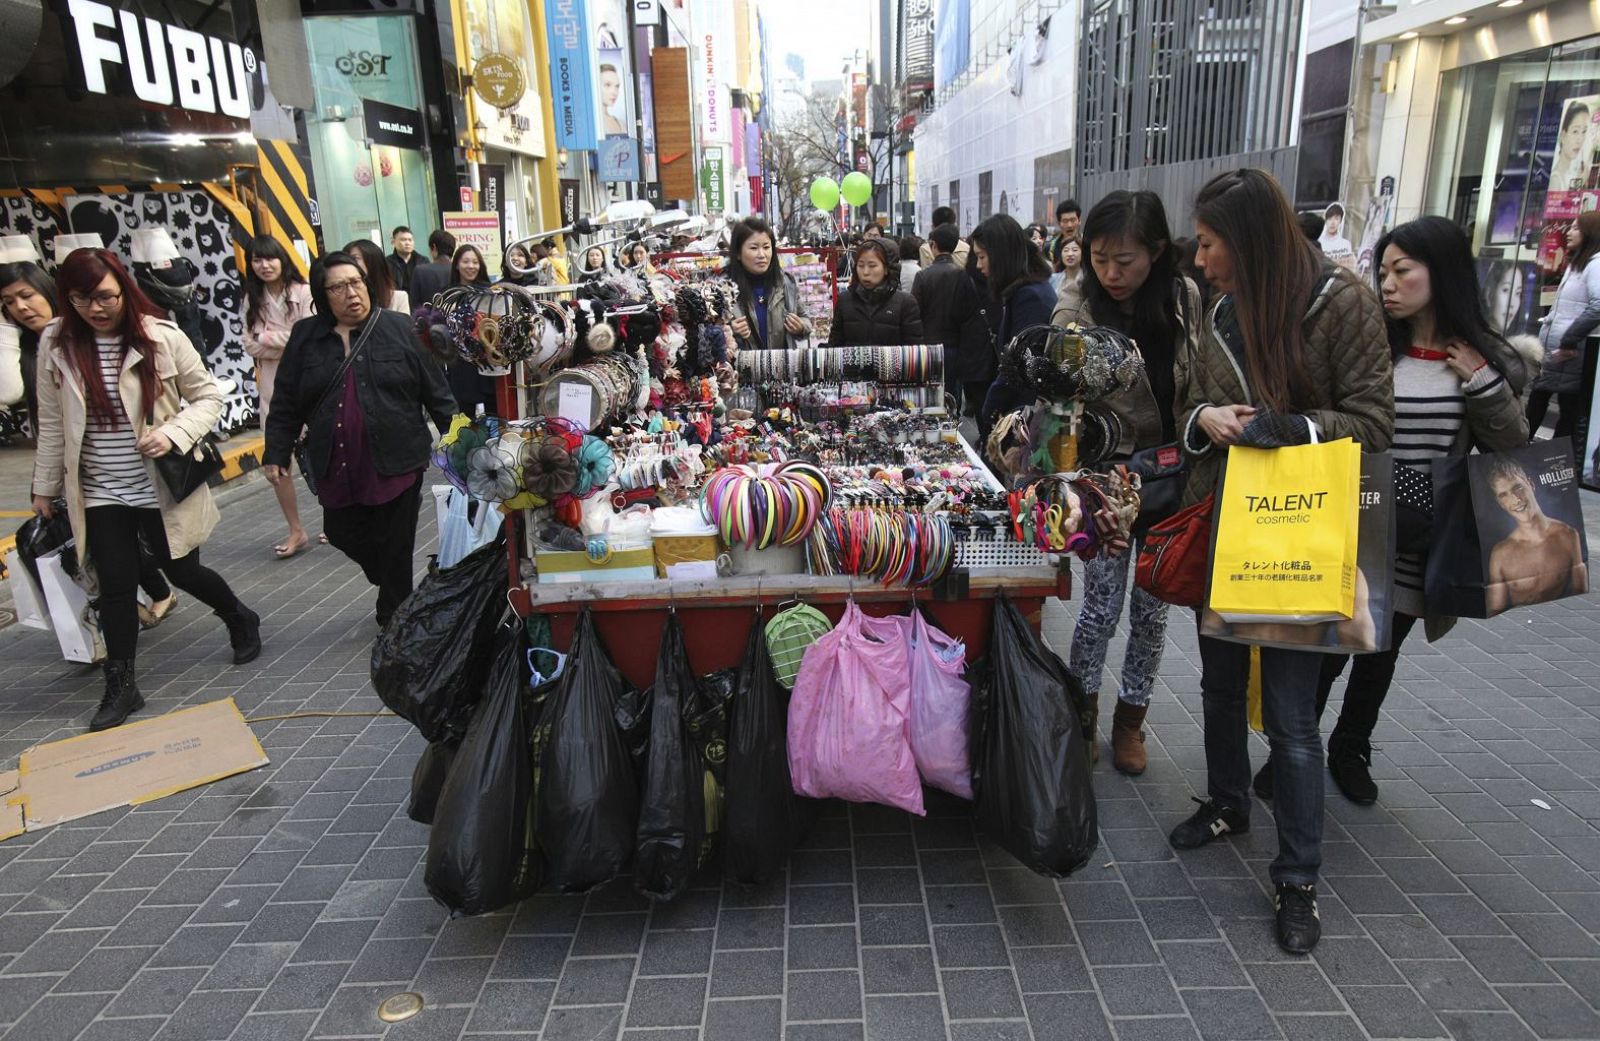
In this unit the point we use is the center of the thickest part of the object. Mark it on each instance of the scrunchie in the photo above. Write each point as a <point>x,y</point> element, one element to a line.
<point>595,464</point>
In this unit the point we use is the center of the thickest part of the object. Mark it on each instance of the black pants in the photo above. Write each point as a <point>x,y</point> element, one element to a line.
<point>115,534</point>
<point>1370,679</point>
<point>1566,419</point>
<point>382,540</point>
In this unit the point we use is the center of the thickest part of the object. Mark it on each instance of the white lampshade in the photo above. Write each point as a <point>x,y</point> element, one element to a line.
<point>16,248</point>
<point>153,246</point>
<point>65,244</point>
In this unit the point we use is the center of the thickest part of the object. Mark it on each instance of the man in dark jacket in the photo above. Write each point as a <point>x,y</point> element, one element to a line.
<point>404,260</point>
<point>429,279</point>
<point>949,304</point>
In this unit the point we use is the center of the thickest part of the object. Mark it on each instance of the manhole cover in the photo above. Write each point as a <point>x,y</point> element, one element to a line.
<point>400,1007</point>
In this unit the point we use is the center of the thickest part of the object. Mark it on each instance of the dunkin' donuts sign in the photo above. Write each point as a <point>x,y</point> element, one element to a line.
<point>121,53</point>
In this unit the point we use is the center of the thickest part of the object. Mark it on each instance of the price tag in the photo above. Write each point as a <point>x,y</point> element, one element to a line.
<point>576,403</point>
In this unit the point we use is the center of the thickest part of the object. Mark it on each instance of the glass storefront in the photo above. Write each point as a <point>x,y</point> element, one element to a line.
<point>1515,158</point>
<point>368,179</point>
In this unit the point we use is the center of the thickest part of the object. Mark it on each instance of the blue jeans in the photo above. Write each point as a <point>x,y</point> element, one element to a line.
<point>1105,587</point>
<point>1289,681</point>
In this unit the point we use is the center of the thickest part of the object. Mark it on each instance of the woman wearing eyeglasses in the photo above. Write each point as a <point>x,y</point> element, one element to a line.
<point>119,388</point>
<point>367,441</point>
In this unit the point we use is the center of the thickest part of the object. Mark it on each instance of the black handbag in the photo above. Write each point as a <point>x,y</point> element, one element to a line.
<point>302,455</point>
<point>1162,473</point>
<point>184,472</point>
<point>1413,509</point>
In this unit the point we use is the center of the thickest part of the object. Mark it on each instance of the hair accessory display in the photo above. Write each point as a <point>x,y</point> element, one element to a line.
<point>1084,364</point>
<point>760,507</point>
<point>1089,514</point>
<point>894,547</point>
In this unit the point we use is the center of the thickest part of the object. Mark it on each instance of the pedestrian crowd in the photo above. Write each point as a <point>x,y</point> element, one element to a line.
<point>1248,334</point>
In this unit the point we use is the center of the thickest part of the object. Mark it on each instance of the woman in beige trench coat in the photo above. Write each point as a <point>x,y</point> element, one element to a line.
<point>118,388</point>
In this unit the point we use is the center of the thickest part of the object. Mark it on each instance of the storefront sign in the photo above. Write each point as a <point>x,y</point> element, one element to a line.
<point>711,173</point>
<point>492,186</point>
<point>619,160</point>
<point>917,34</point>
<point>713,97</point>
<point>363,64</point>
<point>646,12</point>
<point>480,229</point>
<point>465,194</point>
<point>120,53</point>
<point>392,125</point>
<point>569,202</point>
<point>572,93</point>
<point>497,79</point>
<point>674,129</point>
<point>952,40</point>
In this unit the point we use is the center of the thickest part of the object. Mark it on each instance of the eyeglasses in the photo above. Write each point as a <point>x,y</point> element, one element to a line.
<point>84,303</point>
<point>349,287</point>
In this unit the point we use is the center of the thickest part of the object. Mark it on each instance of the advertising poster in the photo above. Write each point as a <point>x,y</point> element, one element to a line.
<point>1508,295</point>
<point>1530,525</point>
<point>478,228</point>
<point>1573,183</point>
<point>572,63</point>
<point>1588,432</point>
<point>1333,243</point>
<point>614,92</point>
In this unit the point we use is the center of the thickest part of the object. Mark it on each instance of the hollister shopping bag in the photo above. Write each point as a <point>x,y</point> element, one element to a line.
<point>1508,531</point>
<point>1286,534</point>
<point>1368,627</point>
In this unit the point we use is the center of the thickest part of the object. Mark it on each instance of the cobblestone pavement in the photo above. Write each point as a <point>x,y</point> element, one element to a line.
<point>287,902</point>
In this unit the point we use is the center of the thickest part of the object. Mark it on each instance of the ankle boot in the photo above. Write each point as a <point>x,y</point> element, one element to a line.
<point>244,633</point>
<point>1127,738</point>
<point>122,698</point>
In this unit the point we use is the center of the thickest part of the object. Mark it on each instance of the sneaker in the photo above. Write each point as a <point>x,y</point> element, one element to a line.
<point>1262,785</point>
<point>1352,772</point>
<point>1299,926</point>
<point>1209,823</point>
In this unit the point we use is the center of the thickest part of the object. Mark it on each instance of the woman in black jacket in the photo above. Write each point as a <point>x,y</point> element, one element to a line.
<point>874,310</point>
<point>1019,281</point>
<point>366,439</point>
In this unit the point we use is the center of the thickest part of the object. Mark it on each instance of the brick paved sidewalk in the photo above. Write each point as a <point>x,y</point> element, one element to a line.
<point>286,903</point>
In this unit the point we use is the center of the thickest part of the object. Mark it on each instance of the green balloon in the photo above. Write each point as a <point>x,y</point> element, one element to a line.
<point>824,193</point>
<point>856,188</point>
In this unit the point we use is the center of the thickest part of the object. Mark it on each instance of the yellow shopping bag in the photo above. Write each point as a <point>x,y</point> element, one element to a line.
<point>1286,530</point>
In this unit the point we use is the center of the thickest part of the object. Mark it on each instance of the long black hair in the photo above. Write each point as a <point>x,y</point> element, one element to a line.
<point>1440,245</point>
<point>264,247</point>
<point>1140,218</point>
<point>742,232</point>
<point>1013,259</point>
<point>483,267</point>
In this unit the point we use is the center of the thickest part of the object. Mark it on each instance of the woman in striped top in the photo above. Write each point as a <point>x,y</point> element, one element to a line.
<point>1457,387</point>
<point>118,388</point>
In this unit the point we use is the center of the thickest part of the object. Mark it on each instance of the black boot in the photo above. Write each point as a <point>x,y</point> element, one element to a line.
<point>122,698</point>
<point>244,632</point>
<point>1350,762</point>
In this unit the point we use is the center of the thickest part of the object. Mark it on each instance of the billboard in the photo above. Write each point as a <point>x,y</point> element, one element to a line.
<point>572,63</point>
<point>952,40</point>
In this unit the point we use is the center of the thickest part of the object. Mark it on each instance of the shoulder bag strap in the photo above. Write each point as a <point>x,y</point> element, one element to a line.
<point>344,367</point>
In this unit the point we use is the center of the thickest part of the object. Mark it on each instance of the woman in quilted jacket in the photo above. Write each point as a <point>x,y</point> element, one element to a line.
<point>1295,349</point>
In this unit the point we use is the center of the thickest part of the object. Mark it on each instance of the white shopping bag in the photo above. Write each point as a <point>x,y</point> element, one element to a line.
<point>26,595</point>
<point>461,535</point>
<point>75,622</point>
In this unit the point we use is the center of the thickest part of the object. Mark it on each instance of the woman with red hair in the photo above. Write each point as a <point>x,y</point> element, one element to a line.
<point>118,389</point>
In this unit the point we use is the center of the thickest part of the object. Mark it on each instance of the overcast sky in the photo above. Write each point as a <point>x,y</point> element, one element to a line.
<point>823,32</point>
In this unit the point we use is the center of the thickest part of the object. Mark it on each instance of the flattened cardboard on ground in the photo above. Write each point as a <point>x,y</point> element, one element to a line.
<point>128,765</point>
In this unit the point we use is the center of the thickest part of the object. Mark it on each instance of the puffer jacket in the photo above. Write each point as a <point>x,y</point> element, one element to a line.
<point>1575,315</point>
<point>1137,407</point>
<point>1347,359</point>
<point>883,315</point>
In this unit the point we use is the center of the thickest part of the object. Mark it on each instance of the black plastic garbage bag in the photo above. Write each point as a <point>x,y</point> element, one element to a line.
<point>633,717</point>
<point>481,850</point>
<point>763,819</point>
<point>1030,766</point>
<point>588,796</point>
<point>430,663</point>
<point>427,780</point>
<point>707,718</point>
<point>672,810</point>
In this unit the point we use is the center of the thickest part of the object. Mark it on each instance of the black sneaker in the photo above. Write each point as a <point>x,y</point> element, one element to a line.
<point>1299,927</point>
<point>1352,772</point>
<point>1209,823</point>
<point>1262,785</point>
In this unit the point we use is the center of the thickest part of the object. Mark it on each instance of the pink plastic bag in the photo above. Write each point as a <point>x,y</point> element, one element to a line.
<point>848,734</point>
<point>940,700</point>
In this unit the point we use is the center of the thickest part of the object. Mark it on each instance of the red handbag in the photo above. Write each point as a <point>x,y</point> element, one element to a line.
<point>1173,561</point>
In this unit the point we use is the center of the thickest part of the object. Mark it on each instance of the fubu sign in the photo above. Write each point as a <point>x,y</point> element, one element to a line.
<point>123,53</point>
